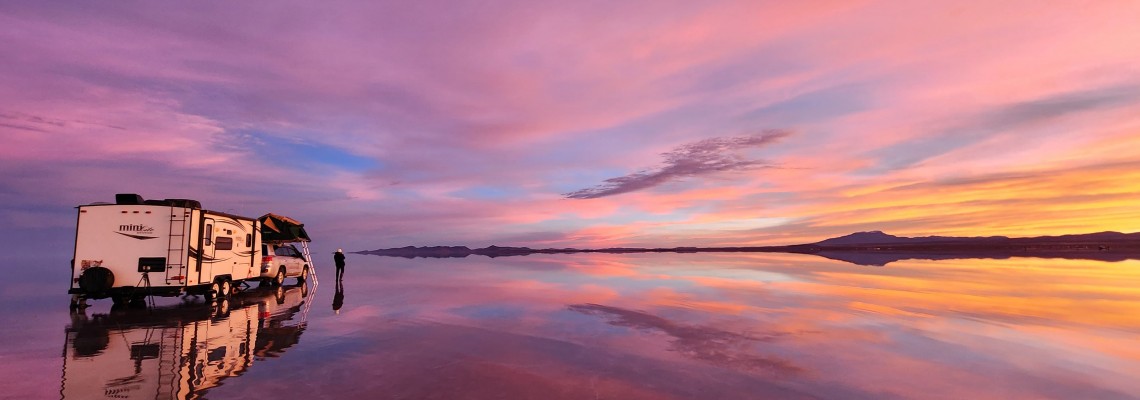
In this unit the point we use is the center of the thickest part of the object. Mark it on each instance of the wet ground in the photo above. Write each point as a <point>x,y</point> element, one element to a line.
<point>639,326</point>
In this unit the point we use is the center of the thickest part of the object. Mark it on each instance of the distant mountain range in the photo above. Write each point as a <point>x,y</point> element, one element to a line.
<point>864,248</point>
<point>880,238</point>
<point>878,248</point>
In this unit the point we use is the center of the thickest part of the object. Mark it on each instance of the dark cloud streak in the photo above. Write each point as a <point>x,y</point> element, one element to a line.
<point>22,127</point>
<point>709,344</point>
<point>694,159</point>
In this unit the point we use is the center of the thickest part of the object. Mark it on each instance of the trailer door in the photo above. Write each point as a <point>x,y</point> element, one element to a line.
<point>207,259</point>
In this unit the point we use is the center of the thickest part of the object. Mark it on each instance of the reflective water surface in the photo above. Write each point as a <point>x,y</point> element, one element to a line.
<point>636,326</point>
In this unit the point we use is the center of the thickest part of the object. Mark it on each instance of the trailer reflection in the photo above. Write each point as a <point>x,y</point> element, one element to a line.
<point>181,351</point>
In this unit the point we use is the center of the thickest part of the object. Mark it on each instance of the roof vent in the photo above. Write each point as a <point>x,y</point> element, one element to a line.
<point>128,199</point>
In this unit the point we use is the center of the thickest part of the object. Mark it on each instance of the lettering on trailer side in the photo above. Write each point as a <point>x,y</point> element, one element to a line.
<point>137,231</point>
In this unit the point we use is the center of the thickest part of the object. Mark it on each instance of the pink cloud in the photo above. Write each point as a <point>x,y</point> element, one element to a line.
<point>543,99</point>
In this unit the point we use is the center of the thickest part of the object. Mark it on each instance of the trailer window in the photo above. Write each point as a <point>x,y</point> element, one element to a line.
<point>224,243</point>
<point>248,240</point>
<point>209,234</point>
<point>217,354</point>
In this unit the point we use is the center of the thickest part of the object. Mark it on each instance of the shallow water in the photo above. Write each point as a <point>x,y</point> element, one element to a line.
<point>636,326</point>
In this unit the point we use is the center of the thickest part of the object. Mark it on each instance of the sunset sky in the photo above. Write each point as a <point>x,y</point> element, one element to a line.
<point>578,123</point>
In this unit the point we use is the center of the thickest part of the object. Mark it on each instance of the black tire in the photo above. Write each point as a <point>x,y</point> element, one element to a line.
<point>227,289</point>
<point>96,280</point>
<point>223,308</point>
<point>279,279</point>
<point>214,292</point>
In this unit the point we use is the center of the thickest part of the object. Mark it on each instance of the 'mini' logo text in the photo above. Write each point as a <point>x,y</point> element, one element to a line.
<point>137,231</point>
<point>138,228</point>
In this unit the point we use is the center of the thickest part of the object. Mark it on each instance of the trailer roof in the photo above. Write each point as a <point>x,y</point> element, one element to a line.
<point>279,228</point>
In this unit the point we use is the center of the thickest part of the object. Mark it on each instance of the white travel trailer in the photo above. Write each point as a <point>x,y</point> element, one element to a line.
<point>179,351</point>
<point>136,248</point>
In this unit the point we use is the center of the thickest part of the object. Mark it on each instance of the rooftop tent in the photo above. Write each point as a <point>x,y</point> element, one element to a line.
<point>279,228</point>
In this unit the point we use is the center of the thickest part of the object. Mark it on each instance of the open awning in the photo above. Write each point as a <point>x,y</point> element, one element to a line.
<point>279,228</point>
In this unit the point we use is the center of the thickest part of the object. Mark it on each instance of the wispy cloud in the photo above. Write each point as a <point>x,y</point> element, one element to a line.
<point>1007,119</point>
<point>694,159</point>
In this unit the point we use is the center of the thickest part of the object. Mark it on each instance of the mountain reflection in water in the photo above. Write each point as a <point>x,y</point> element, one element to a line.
<point>179,351</point>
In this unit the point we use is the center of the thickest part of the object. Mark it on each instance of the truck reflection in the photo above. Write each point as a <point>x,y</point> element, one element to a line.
<point>179,352</point>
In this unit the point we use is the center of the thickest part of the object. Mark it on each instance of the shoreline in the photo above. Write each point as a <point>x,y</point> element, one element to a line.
<point>861,254</point>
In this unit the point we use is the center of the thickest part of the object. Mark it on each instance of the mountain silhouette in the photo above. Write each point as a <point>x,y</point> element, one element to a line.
<point>878,237</point>
<point>875,248</point>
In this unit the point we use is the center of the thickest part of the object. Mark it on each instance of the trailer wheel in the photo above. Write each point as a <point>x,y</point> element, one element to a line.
<point>280,278</point>
<point>223,309</point>
<point>227,289</point>
<point>215,291</point>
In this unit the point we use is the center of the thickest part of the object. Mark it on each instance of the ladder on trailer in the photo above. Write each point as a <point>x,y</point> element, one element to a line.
<point>176,242</point>
<point>168,364</point>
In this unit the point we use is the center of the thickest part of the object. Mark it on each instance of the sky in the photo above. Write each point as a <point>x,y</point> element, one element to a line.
<point>577,124</point>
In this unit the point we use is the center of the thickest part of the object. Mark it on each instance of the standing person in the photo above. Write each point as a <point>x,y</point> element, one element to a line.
<point>339,259</point>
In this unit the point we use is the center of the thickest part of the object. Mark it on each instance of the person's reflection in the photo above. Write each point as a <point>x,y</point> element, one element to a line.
<point>338,297</point>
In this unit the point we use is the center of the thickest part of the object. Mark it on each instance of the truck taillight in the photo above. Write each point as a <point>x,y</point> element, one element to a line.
<point>267,259</point>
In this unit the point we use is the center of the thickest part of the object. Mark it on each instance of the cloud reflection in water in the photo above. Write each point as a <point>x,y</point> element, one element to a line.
<point>668,326</point>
